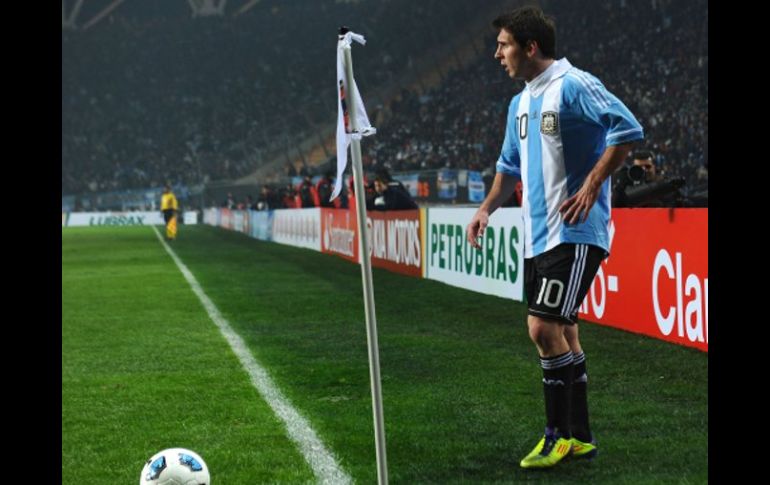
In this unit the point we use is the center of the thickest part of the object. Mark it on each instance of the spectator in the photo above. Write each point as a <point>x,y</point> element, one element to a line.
<point>643,159</point>
<point>268,199</point>
<point>324,188</point>
<point>391,194</point>
<point>308,196</point>
<point>229,202</point>
<point>290,197</point>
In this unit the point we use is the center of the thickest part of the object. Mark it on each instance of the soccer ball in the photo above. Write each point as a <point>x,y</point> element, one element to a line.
<point>175,466</point>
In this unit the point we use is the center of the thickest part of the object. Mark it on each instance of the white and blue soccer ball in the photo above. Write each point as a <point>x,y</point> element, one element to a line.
<point>175,466</point>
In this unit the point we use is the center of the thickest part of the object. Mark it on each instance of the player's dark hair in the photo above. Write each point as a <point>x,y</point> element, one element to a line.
<point>383,176</point>
<point>530,24</point>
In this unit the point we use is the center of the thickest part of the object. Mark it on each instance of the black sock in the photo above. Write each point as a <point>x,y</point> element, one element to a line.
<point>557,386</point>
<point>580,428</point>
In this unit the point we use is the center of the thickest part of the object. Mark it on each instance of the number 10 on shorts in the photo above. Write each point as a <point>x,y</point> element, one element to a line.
<point>550,294</point>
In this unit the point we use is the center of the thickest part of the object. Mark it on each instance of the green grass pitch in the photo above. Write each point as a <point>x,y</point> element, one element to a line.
<point>144,368</point>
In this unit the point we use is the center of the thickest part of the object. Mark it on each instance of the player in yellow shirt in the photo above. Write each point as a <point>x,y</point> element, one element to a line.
<point>169,206</point>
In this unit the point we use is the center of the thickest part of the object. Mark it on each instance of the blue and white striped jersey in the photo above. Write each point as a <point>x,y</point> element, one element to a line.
<point>558,128</point>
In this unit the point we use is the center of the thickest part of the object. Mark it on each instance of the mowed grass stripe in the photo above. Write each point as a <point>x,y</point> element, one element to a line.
<point>144,369</point>
<point>461,381</point>
<point>323,463</point>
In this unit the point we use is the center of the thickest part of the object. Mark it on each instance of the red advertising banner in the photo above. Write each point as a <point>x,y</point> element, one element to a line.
<point>395,238</point>
<point>395,241</point>
<point>655,281</point>
<point>339,234</point>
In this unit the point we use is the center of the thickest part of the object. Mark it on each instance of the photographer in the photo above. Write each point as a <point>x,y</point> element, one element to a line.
<point>640,185</point>
<point>643,159</point>
<point>391,194</point>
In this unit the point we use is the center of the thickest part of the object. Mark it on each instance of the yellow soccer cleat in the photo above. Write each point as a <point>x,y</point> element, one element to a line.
<point>582,449</point>
<point>550,450</point>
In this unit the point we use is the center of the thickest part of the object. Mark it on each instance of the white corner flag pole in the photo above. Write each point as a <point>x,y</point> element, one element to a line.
<point>366,276</point>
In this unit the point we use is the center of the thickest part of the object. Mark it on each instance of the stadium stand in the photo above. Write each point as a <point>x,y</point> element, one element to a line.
<point>239,91</point>
<point>211,107</point>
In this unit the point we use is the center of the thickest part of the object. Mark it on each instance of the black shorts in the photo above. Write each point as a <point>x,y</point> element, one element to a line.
<point>556,281</point>
<point>168,214</point>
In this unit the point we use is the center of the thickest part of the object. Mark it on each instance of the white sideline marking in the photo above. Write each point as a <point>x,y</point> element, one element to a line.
<point>322,462</point>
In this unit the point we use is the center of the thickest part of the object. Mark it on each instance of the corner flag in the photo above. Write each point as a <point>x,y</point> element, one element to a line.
<point>344,94</point>
<point>351,125</point>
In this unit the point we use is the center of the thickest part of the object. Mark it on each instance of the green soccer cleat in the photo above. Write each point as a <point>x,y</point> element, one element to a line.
<point>549,451</point>
<point>581,449</point>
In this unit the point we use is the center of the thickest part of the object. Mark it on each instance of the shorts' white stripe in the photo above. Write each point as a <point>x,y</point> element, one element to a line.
<point>578,266</point>
<point>571,282</point>
<point>582,267</point>
<point>322,462</point>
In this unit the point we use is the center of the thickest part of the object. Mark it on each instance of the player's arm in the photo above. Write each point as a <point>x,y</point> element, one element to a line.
<point>502,188</point>
<point>598,105</point>
<point>580,204</point>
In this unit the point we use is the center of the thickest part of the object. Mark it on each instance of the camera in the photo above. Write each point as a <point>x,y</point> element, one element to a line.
<point>633,190</point>
<point>635,174</point>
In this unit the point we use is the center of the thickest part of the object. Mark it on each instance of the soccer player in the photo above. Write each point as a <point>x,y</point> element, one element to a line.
<point>169,206</point>
<point>565,135</point>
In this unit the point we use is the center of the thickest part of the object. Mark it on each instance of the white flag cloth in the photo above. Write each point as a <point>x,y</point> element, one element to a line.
<point>343,125</point>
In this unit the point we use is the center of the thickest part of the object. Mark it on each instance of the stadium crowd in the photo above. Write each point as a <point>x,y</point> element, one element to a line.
<point>208,108</point>
<point>150,95</point>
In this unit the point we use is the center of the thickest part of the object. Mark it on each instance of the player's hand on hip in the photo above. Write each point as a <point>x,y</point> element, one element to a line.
<point>475,229</point>
<point>576,208</point>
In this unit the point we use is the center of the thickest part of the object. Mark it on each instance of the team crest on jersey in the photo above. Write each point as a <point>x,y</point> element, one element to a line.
<point>549,123</point>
